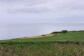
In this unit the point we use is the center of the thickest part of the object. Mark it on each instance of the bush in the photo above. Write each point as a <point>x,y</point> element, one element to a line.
<point>54,32</point>
<point>64,31</point>
<point>43,35</point>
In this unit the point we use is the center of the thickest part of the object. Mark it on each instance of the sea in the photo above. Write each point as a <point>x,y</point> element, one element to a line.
<point>12,31</point>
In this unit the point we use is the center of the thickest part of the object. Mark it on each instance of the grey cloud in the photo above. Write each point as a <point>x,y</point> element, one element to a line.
<point>29,10</point>
<point>42,10</point>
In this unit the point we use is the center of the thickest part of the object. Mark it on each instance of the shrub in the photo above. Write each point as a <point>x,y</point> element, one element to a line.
<point>43,35</point>
<point>54,32</point>
<point>64,31</point>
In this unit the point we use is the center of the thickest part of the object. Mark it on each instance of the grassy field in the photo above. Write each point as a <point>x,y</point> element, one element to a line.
<point>56,44</point>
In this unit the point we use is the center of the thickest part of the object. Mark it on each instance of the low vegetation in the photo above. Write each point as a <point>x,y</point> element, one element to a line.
<point>54,44</point>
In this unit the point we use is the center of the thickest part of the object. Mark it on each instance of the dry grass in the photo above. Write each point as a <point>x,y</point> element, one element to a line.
<point>42,49</point>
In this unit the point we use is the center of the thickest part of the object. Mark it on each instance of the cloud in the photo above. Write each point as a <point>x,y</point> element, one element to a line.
<point>41,10</point>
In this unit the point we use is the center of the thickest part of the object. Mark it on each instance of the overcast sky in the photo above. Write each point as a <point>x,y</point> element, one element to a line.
<point>35,11</point>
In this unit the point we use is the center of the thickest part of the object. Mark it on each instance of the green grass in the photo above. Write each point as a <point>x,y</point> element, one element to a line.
<point>59,44</point>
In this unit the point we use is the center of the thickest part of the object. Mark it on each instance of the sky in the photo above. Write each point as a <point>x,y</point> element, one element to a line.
<point>41,11</point>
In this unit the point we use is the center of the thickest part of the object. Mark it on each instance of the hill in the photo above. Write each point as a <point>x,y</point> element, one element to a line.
<point>54,44</point>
